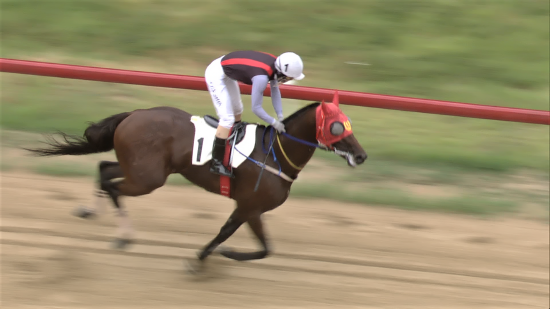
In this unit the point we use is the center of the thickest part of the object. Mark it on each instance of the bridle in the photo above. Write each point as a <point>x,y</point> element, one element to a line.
<point>319,145</point>
<point>336,129</point>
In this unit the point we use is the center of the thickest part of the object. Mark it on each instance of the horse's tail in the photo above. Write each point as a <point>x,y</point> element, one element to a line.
<point>98,137</point>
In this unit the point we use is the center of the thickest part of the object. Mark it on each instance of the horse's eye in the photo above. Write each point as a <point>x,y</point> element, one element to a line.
<point>336,128</point>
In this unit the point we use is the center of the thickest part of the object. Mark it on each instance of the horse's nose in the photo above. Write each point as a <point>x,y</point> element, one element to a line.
<point>360,158</point>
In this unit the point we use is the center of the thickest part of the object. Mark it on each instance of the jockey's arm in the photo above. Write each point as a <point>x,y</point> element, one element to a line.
<point>259,83</point>
<point>276,98</point>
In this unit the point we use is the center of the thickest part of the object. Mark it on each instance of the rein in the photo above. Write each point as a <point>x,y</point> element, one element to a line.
<point>301,141</point>
<point>319,145</point>
<point>278,171</point>
<point>286,157</point>
<point>270,169</point>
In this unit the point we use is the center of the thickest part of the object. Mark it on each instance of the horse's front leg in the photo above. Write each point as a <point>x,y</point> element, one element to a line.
<point>228,229</point>
<point>255,224</point>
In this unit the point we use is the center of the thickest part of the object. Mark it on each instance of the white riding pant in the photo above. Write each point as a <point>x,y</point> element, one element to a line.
<point>225,93</point>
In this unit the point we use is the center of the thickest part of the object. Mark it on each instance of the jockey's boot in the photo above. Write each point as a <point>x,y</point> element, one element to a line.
<point>218,152</point>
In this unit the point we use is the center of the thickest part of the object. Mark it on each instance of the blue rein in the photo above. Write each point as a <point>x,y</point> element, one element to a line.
<point>272,139</point>
<point>302,141</point>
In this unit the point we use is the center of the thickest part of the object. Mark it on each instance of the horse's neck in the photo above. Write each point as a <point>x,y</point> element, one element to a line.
<point>299,153</point>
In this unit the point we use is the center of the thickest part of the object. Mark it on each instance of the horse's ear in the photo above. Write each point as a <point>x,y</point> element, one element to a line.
<point>335,99</point>
<point>323,105</point>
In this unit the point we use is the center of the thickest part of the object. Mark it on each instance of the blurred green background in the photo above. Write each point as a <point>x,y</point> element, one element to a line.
<point>492,52</point>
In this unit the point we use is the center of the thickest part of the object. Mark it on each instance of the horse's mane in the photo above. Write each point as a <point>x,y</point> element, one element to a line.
<point>300,111</point>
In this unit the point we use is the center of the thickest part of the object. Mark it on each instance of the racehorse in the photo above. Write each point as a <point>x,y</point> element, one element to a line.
<point>150,144</point>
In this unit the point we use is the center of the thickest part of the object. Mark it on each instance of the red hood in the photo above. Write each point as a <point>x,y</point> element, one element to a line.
<point>326,115</point>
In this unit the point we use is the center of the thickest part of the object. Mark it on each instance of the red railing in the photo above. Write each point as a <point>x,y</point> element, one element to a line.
<point>287,91</point>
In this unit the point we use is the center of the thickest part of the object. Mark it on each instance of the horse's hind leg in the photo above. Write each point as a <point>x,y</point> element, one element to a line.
<point>125,230</point>
<point>255,224</point>
<point>130,185</point>
<point>107,171</point>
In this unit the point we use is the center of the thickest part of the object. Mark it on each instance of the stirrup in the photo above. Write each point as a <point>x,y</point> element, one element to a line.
<point>219,169</point>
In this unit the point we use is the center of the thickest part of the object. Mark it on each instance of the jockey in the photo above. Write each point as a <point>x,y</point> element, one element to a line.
<point>252,68</point>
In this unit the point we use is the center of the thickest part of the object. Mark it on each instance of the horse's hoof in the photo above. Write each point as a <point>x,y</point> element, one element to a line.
<point>121,243</point>
<point>83,212</point>
<point>194,266</point>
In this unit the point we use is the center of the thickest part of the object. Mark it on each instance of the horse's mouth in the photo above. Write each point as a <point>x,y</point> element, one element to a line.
<point>351,160</point>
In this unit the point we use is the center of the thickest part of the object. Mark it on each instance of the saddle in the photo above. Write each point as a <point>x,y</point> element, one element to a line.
<point>238,130</point>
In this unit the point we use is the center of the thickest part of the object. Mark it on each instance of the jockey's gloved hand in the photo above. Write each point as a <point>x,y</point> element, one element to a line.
<point>279,126</point>
<point>280,118</point>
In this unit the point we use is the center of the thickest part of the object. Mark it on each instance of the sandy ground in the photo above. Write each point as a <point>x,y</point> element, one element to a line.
<point>327,254</point>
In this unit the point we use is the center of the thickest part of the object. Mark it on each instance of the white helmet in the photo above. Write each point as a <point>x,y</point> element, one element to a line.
<point>290,65</point>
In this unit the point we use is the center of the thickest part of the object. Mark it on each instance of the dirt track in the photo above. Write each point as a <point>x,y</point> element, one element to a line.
<point>327,254</point>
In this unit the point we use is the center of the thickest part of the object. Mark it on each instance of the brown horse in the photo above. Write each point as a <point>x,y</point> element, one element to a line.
<point>151,144</point>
